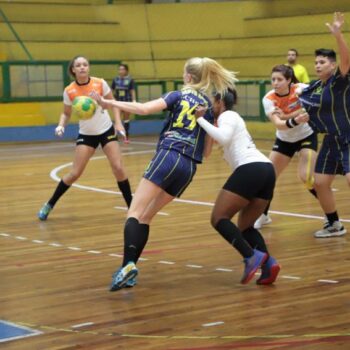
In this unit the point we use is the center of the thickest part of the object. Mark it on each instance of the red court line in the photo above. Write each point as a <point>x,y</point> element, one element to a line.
<point>289,344</point>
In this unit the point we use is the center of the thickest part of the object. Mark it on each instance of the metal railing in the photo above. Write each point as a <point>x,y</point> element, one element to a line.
<point>37,81</point>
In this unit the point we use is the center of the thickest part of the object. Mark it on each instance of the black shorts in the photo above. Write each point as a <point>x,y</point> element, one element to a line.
<point>94,140</point>
<point>289,148</point>
<point>252,180</point>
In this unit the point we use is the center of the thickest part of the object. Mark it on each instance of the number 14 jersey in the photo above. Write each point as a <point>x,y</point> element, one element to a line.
<point>181,132</point>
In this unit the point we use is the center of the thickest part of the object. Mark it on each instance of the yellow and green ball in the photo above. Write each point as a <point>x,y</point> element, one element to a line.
<point>84,107</point>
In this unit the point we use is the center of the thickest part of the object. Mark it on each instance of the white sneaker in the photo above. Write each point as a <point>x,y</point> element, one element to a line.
<point>262,220</point>
<point>335,230</point>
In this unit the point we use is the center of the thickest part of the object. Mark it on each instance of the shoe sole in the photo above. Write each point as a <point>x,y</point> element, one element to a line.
<point>122,283</point>
<point>337,234</point>
<point>252,273</point>
<point>275,269</point>
<point>130,285</point>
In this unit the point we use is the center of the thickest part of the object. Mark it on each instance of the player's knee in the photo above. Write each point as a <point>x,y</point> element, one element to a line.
<point>117,168</point>
<point>214,219</point>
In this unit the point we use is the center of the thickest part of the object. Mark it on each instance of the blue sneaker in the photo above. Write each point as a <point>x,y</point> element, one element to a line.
<point>132,282</point>
<point>44,212</point>
<point>252,264</point>
<point>269,271</point>
<point>123,275</point>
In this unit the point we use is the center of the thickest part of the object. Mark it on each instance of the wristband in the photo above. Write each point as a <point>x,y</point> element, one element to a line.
<point>291,123</point>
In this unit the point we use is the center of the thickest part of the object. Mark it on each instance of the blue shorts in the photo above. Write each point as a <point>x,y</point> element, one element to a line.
<point>171,170</point>
<point>334,156</point>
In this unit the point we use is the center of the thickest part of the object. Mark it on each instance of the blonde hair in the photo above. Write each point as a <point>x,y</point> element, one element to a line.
<point>208,76</point>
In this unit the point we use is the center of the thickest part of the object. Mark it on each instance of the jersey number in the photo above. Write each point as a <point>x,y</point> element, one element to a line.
<point>187,114</point>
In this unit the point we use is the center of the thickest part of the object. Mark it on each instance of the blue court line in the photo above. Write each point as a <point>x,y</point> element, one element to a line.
<point>47,132</point>
<point>10,331</point>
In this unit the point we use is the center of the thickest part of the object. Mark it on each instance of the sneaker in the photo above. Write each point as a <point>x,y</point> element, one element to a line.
<point>262,220</point>
<point>132,282</point>
<point>44,212</point>
<point>269,271</point>
<point>126,141</point>
<point>334,230</point>
<point>252,264</point>
<point>123,275</point>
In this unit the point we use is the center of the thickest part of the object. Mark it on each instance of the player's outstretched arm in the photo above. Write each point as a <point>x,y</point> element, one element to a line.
<point>335,28</point>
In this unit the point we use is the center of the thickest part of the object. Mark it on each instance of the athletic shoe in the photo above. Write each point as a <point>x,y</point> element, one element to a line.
<point>44,212</point>
<point>131,283</point>
<point>269,271</point>
<point>261,221</point>
<point>334,230</point>
<point>126,141</point>
<point>252,264</point>
<point>123,275</point>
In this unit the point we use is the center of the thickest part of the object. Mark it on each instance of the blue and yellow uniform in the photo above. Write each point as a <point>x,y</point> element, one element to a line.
<point>328,105</point>
<point>122,88</point>
<point>181,142</point>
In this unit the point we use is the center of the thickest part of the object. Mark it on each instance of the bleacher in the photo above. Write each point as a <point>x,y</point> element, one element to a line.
<point>248,37</point>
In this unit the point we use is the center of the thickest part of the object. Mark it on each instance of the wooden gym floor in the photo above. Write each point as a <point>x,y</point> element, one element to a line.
<point>55,274</point>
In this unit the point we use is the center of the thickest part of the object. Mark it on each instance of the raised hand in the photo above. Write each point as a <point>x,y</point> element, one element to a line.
<point>338,22</point>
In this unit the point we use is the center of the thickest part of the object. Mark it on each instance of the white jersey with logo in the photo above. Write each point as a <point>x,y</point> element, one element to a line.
<point>232,134</point>
<point>100,122</point>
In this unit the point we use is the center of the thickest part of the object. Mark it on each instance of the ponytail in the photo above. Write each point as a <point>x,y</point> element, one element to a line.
<point>209,77</point>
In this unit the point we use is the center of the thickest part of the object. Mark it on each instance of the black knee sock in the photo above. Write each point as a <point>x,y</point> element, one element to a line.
<point>313,192</point>
<point>232,234</point>
<point>331,217</point>
<point>60,190</point>
<point>135,239</point>
<point>266,211</point>
<point>255,239</point>
<point>125,189</point>
<point>144,228</point>
<point>127,128</point>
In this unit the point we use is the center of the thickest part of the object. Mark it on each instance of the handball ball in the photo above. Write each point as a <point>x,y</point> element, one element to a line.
<point>84,107</point>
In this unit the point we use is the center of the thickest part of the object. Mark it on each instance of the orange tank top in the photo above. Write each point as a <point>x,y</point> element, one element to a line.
<point>73,89</point>
<point>288,103</point>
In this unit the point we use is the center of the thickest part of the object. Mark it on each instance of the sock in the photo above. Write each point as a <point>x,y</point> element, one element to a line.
<point>135,239</point>
<point>60,190</point>
<point>127,127</point>
<point>331,217</point>
<point>266,211</point>
<point>144,228</point>
<point>255,239</point>
<point>124,187</point>
<point>233,235</point>
<point>313,192</point>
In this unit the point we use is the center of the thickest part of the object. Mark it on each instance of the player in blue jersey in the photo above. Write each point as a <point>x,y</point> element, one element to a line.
<point>181,146</point>
<point>124,90</point>
<point>327,101</point>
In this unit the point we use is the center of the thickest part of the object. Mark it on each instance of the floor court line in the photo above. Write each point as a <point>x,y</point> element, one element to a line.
<point>54,176</point>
